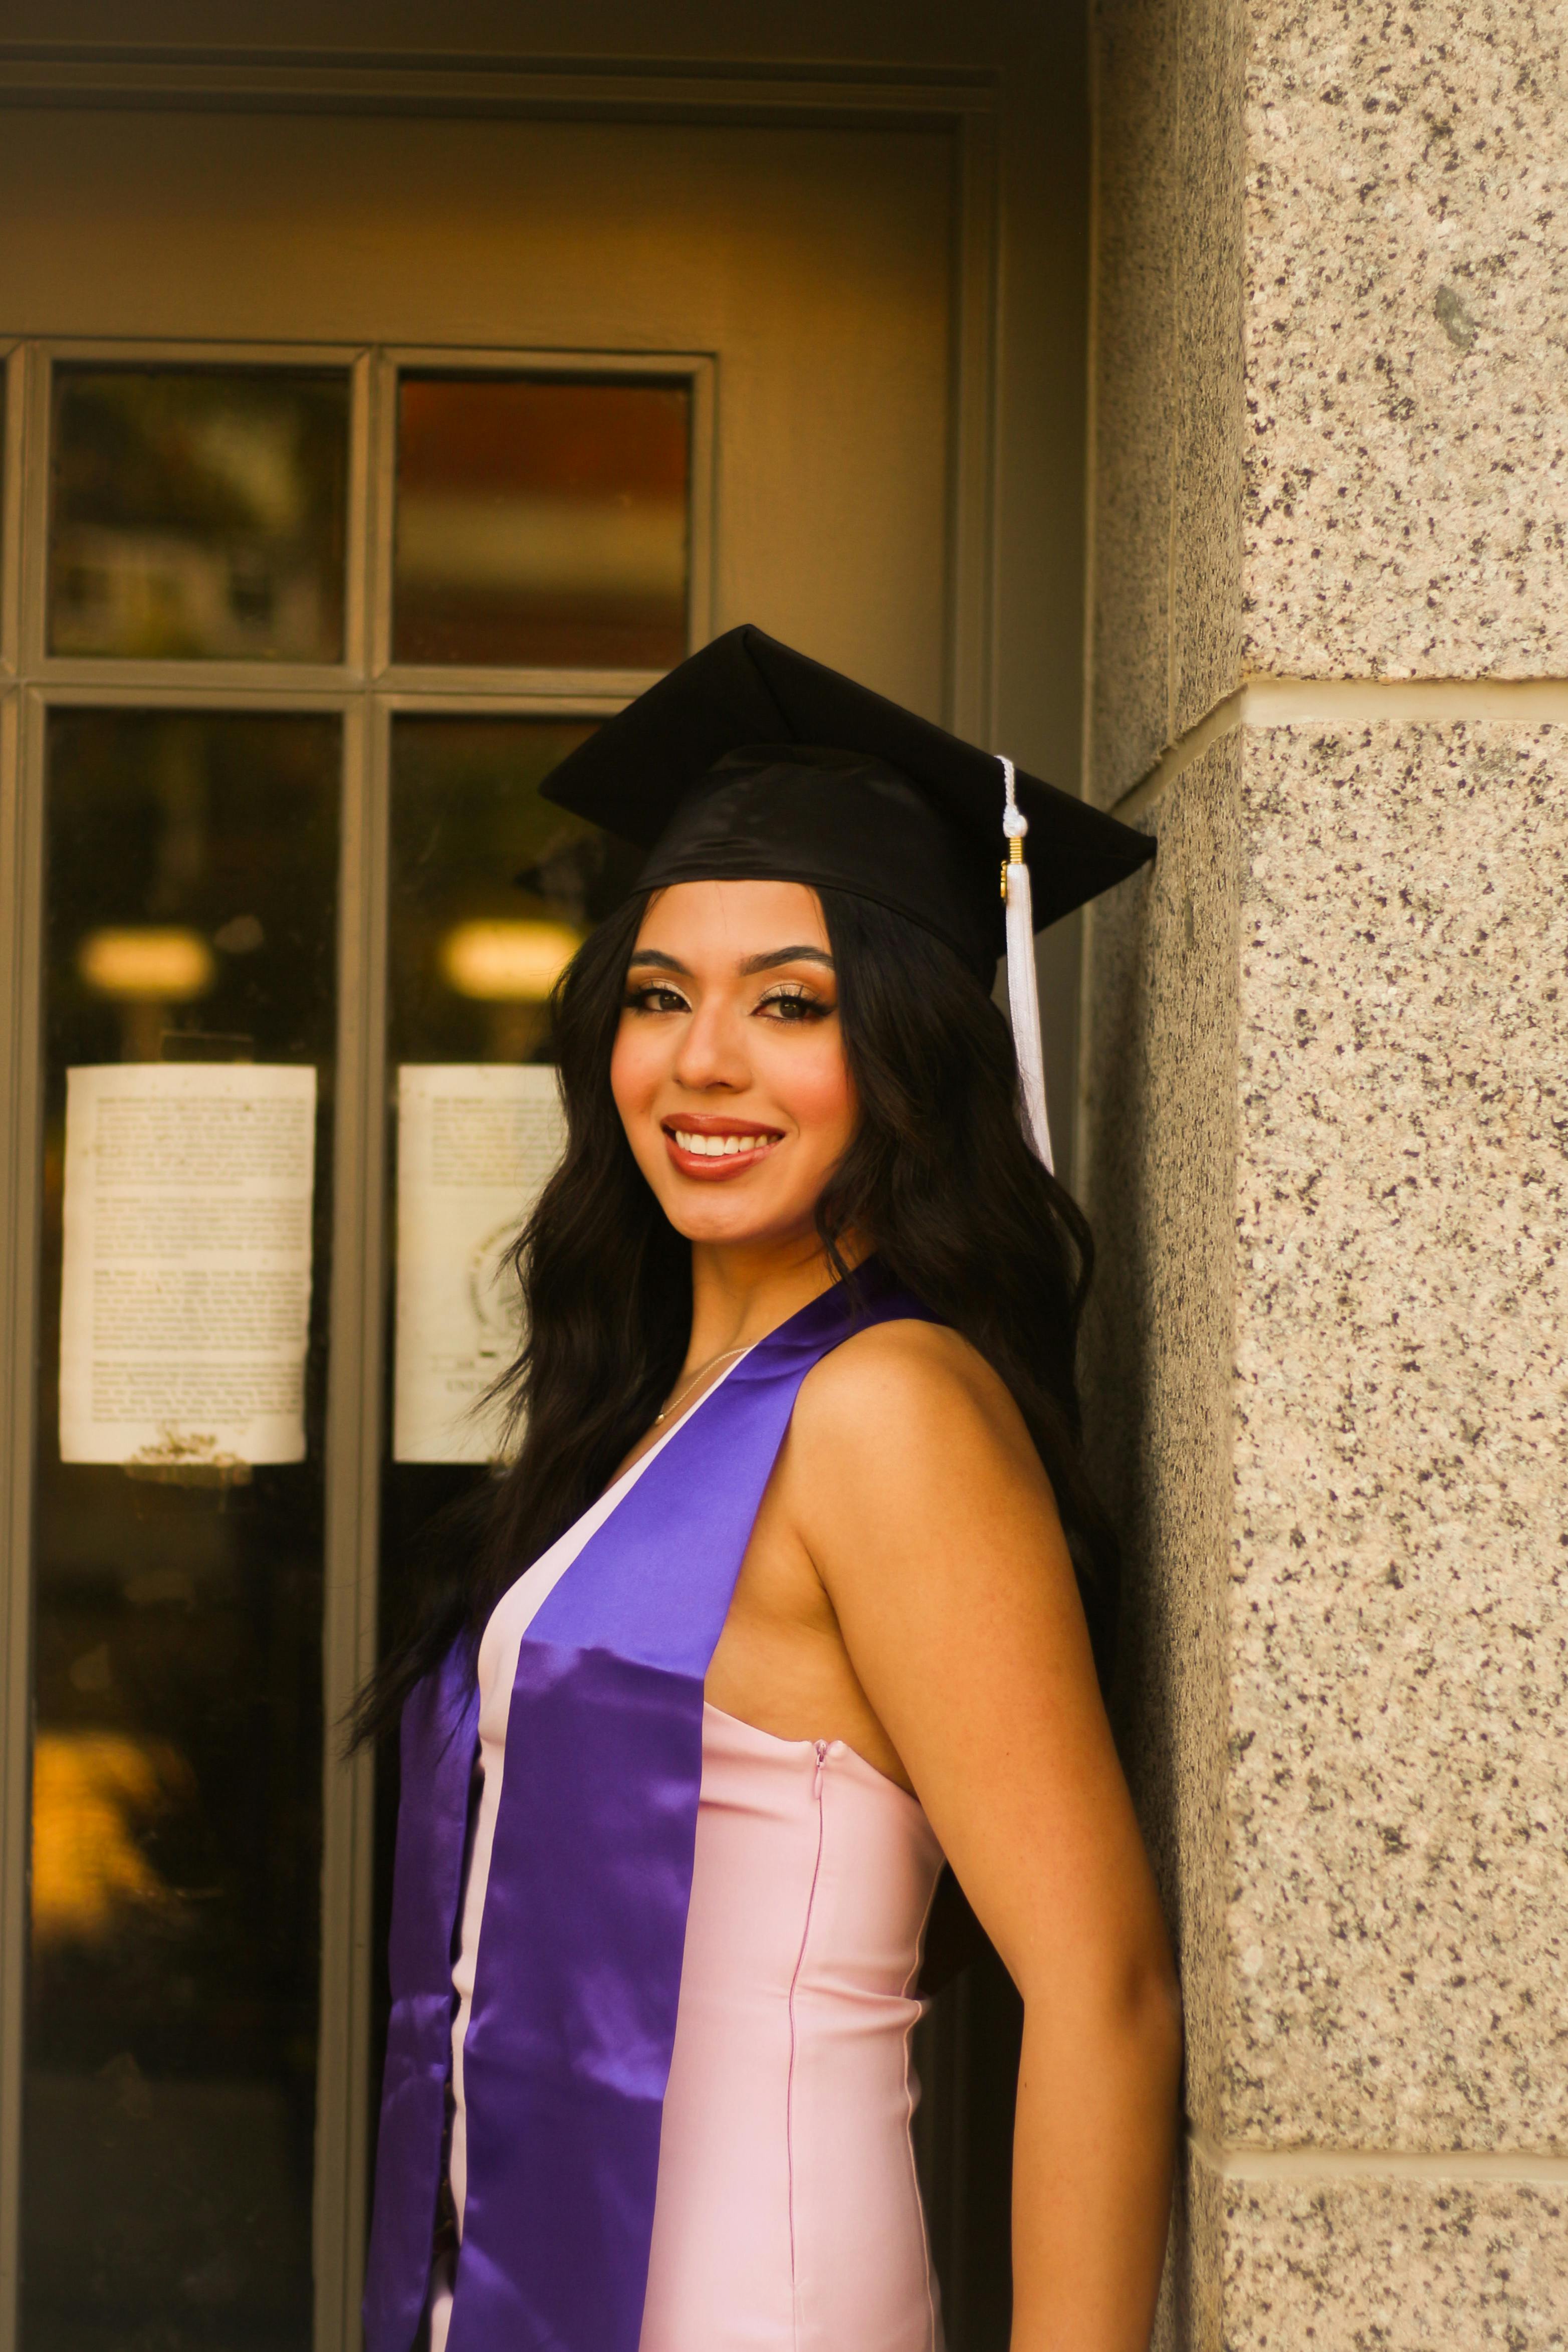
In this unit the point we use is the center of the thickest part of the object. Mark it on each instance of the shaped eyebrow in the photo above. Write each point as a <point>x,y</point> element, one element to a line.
<point>768,962</point>
<point>664,962</point>
<point>785,955</point>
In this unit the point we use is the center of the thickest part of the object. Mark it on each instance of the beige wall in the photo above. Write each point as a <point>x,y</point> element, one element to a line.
<point>1328,1111</point>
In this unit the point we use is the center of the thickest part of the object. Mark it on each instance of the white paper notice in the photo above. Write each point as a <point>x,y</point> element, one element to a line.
<point>477,1142</point>
<point>187,1297</point>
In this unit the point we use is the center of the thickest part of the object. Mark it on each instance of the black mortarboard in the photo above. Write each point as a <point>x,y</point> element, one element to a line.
<point>750,762</point>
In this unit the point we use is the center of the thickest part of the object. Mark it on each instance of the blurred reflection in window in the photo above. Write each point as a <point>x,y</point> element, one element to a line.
<point>93,1794</point>
<point>169,2091</point>
<point>475,952</point>
<point>541,522</point>
<point>198,513</point>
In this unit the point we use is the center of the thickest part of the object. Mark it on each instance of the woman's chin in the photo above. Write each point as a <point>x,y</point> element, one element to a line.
<point>731,1220</point>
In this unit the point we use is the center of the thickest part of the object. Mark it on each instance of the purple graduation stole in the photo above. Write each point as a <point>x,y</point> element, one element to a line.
<point>579,1974</point>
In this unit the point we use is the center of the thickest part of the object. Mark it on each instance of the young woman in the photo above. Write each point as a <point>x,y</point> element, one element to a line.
<point>787,1597</point>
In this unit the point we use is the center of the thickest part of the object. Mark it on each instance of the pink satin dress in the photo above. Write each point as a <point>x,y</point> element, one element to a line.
<point>788,2214</point>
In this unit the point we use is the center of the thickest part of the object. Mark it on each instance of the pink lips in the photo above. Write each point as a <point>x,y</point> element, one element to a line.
<point>712,1150</point>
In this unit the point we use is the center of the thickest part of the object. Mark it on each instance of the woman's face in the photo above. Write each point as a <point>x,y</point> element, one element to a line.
<point>729,1069</point>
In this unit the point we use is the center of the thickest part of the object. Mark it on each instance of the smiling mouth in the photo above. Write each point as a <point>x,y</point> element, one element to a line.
<point>717,1150</point>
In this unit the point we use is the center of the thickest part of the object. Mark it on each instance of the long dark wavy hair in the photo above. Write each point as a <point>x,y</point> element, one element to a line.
<point>937,1176</point>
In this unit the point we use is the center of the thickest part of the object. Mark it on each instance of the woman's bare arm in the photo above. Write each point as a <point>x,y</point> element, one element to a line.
<point>912,1482</point>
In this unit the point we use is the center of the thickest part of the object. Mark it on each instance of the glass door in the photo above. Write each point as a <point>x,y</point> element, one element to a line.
<point>353,464</point>
<point>291,638</point>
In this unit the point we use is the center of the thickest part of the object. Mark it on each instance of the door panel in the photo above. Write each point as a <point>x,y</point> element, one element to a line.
<point>367,463</point>
<point>814,264</point>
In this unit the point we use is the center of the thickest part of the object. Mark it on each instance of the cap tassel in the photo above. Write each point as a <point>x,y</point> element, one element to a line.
<point>1023,989</point>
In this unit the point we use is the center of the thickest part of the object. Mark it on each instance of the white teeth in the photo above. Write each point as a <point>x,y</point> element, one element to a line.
<point>717,1146</point>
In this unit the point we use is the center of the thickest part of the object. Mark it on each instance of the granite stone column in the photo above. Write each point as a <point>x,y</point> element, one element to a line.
<point>1324,1135</point>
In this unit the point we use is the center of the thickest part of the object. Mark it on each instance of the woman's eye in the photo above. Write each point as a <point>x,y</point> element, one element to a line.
<point>793,1004</point>
<point>654,999</point>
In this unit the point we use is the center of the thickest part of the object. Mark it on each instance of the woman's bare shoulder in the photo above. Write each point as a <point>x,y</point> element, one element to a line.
<point>899,1388</point>
<point>906,1445</point>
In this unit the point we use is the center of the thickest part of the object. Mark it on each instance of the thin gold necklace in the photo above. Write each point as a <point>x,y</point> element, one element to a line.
<point>712,1364</point>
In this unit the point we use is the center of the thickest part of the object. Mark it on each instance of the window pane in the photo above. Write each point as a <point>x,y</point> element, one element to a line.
<point>471,957</point>
<point>541,522</point>
<point>198,512</point>
<point>466,820</point>
<point>172,2010</point>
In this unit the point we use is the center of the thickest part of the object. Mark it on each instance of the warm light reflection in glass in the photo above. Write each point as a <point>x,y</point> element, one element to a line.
<point>505,963</point>
<point>92,1792</point>
<point>541,520</point>
<point>165,966</point>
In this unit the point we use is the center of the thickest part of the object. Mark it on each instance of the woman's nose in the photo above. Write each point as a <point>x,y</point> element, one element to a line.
<point>712,1050</point>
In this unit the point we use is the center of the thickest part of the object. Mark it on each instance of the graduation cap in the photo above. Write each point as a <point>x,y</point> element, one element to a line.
<point>752,762</point>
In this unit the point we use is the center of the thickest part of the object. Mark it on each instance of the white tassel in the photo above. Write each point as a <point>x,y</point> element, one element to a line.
<point>1023,989</point>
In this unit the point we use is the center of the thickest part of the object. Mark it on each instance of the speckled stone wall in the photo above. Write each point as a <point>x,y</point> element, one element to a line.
<point>1399,1585</point>
<point>1326,1136</point>
<point>1406,460</point>
<point>1166,573</point>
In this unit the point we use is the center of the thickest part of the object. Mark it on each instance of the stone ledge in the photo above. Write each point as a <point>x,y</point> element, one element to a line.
<point>1249,2161</point>
<point>1407,2266</point>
